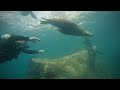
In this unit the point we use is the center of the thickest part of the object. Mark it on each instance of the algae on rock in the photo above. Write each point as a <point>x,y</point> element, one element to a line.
<point>73,66</point>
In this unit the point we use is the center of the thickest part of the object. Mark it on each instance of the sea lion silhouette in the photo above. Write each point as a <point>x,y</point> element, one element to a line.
<point>66,27</point>
<point>25,13</point>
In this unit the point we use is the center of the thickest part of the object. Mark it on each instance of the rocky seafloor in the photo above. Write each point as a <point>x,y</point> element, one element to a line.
<point>74,66</point>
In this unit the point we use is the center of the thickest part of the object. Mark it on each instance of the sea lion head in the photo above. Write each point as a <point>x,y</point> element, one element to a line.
<point>88,33</point>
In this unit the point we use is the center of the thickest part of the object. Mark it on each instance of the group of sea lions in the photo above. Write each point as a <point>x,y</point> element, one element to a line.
<point>64,26</point>
<point>70,28</point>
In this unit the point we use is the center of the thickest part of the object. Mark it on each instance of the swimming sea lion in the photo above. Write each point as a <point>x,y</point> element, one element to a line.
<point>25,13</point>
<point>67,27</point>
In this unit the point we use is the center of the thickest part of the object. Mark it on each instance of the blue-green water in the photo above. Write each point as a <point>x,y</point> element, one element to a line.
<point>105,25</point>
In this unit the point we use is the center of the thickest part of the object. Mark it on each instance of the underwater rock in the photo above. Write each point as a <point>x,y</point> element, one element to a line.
<point>73,66</point>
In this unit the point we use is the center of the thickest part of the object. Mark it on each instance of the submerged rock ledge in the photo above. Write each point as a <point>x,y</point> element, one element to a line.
<point>74,66</point>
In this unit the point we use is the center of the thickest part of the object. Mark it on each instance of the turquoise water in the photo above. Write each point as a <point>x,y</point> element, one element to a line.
<point>105,25</point>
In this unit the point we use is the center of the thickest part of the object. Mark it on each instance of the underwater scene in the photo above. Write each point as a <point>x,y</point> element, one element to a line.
<point>59,44</point>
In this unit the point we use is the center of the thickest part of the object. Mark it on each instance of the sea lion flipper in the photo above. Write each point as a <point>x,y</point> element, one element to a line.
<point>62,31</point>
<point>59,29</point>
<point>32,14</point>
<point>44,22</point>
<point>44,18</point>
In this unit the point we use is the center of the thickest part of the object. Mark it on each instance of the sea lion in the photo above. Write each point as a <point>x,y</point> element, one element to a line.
<point>67,27</point>
<point>90,47</point>
<point>25,13</point>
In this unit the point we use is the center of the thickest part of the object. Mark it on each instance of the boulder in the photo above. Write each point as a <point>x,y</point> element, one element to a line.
<point>74,66</point>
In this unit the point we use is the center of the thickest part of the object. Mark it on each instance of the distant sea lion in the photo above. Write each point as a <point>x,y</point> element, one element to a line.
<point>90,47</point>
<point>25,13</point>
<point>67,27</point>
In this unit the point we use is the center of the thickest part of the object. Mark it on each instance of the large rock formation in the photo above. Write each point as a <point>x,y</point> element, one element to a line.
<point>73,66</point>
